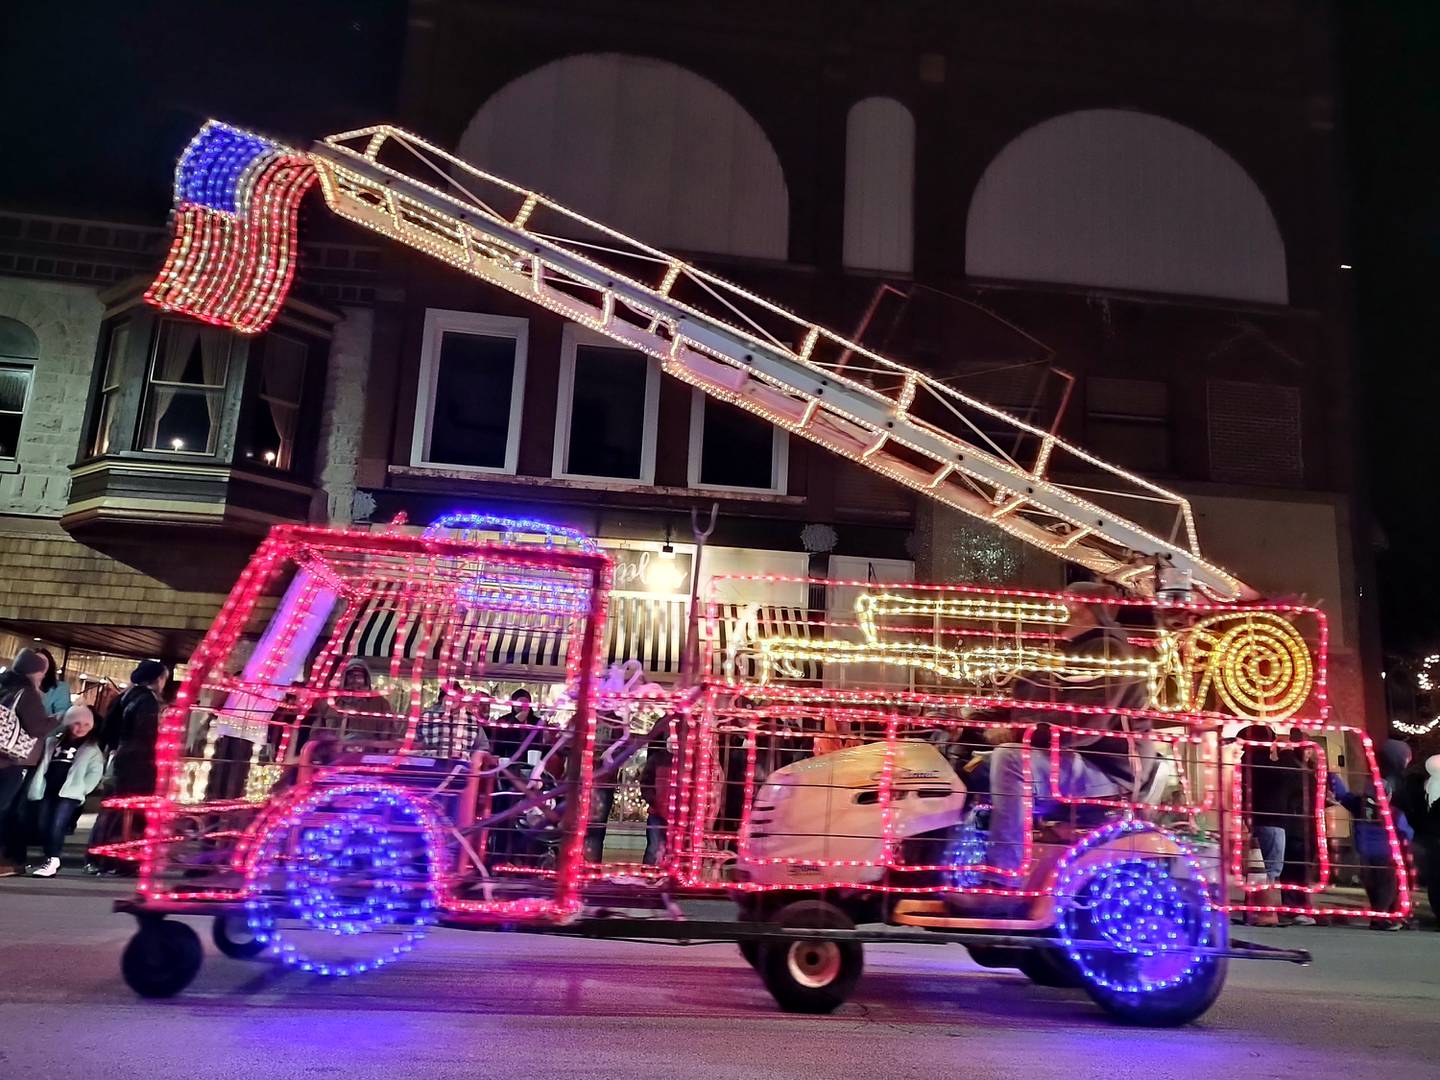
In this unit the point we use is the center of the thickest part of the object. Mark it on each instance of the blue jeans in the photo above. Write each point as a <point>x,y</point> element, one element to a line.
<point>54,817</point>
<point>1010,816</point>
<point>1271,839</point>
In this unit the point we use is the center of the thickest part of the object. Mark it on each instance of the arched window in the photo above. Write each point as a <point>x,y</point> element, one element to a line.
<point>1125,200</point>
<point>19,349</point>
<point>640,145</point>
<point>879,186</point>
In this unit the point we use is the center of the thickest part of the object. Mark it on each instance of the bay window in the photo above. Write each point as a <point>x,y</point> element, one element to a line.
<point>186,388</point>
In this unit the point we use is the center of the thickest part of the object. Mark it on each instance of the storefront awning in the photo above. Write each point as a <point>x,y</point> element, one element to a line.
<point>648,629</point>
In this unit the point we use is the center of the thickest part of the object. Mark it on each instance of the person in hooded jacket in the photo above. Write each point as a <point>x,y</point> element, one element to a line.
<point>1378,874</point>
<point>20,696</point>
<point>359,712</point>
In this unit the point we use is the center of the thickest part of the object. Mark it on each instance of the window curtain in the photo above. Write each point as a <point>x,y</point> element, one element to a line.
<point>176,344</point>
<point>214,357</point>
<point>281,382</point>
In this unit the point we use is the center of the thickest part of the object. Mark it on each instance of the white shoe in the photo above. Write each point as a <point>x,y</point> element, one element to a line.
<point>1302,920</point>
<point>49,868</point>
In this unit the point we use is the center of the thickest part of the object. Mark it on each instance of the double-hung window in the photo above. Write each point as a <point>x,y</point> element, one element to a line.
<point>1128,422</point>
<point>472,386</point>
<point>112,381</point>
<point>605,414</point>
<point>186,389</point>
<point>15,380</point>
<point>270,435</point>
<point>731,449</point>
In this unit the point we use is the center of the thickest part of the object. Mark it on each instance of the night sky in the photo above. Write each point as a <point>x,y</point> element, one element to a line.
<point>101,95</point>
<point>1391,62</point>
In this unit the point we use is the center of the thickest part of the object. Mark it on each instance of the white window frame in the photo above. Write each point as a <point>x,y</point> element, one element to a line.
<point>29,364</point>
<point>150,423</point>
<point>779,453</point>
<point>571,339</point>
<point>439,321</point>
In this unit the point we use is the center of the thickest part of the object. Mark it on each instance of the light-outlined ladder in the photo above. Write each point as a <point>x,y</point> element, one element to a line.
<point>739,347</point>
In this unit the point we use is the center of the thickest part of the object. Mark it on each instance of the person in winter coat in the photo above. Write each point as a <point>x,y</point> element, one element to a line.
<point>1301,841</point>
<point>1378,875</point>
<point>70,768</point>
<point>360,712</point>
<point>23,726</point>
<point>132,727</point>
<point>55,690</point>
<point>129,735</point>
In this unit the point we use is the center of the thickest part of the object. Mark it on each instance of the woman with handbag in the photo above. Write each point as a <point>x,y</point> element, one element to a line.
<point>24,723</point>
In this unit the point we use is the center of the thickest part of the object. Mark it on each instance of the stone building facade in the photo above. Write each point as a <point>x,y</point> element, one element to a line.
<point>1139,203</point>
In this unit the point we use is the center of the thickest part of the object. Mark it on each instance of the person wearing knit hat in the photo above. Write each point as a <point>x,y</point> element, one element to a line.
<point>20,696</point>
<point>147,671</point>
<point>130,731</point>
<point>133,726</point>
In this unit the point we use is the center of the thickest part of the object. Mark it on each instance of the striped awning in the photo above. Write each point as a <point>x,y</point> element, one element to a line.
<point>648,629</point>
<point>738,627</point>
<point>477,639</point>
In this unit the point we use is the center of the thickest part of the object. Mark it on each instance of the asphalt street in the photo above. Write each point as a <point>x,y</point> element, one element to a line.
<point>488,1005</point>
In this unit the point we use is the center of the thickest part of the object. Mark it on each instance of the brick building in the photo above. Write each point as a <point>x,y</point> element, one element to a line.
<point>1144,196</point>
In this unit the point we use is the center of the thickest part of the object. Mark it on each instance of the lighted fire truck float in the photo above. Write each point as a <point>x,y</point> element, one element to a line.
<point>874,772</point>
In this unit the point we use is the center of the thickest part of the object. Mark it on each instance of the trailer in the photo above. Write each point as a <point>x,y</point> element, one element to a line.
<point>1063,783</point>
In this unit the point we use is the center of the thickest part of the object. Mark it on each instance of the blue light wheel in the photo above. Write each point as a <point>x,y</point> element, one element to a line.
<point>343,880</point>
<point>1139,926</point>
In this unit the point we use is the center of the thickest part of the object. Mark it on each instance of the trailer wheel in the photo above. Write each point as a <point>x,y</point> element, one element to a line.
<point>750,950</point>
<point>344,881</point>
<point>1138,929</point>
<point>161,959</point>
<point>233,937</point>
<point>810,976</point>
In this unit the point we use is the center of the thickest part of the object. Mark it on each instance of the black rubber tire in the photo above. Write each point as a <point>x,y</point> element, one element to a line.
<point>781,962</point>
<point>750,950</point>
<point>232,936</point>
<point>161,959</point>
<point>1169,1008</point>
<point>1049,967</point>
<point>1175,1005</point>
<point>750,909</point>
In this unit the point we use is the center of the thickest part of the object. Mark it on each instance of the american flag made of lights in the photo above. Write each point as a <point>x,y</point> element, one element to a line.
<point>232,253</point>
